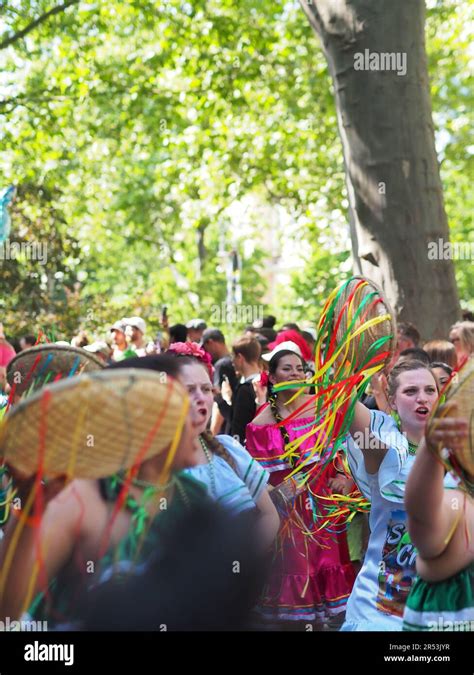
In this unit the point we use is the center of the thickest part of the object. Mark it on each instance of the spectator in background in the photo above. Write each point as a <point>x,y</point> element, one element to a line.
<point>80,340</point>
<point>196,328</point>
<point>310,339</point>
<point>213,342</point>
<point>414,354</point>
<point>6,350</point>
<point>441,350</point>
<point>265,327</point>
<point>251,331</point>
<point>467,315</point>
<point>179,333</point>
<point>462,337</point>
<point>295,336</point>
<point>102,350</point>
<point>442,373</point>
<point>268,321</point>
<point>121,349</point>
<point>27,341</point>
<point>246,355</point>
<point>263,342</point>
<point>267,333</point>
<point>408,336</point>
<point>135,329</point>
<point>290,326</point>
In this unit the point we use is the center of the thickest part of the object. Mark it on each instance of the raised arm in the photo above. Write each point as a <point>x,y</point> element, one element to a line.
<point>378,384</point>
<point>372,449</point>
<point>432,511</point>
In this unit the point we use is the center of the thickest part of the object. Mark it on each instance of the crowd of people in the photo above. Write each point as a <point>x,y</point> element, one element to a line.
<point>401,567</point>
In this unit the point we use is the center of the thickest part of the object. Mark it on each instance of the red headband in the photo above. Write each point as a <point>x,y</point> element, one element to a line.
<point>193,349</point>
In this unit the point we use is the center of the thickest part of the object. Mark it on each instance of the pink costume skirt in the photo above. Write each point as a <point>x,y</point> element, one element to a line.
<point>312,576</point>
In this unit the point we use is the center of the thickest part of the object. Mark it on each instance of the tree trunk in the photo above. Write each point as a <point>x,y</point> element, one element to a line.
<point>395,196</point>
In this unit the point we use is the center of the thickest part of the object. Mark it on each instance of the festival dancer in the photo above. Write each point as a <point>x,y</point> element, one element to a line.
<point>44,364</point>
<point>84,532</point>
<point>312,575</point>
<point>441,525</point>
<point>233,478</point>
<point>29,371</point>
<point>382,452</point>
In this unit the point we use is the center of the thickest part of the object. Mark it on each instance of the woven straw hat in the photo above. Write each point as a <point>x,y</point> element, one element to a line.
<point>93,425</point>
<point>37,366</point>
<point>370,298</point>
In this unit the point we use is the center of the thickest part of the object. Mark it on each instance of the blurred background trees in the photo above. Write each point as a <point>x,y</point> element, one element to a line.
<point>148,140</point>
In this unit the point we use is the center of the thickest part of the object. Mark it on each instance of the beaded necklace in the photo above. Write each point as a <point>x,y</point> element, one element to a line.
<point>145,484</point>
<point>412,448</point>
<point>283,430</point>
<point>210,460</point>
<point>138,509</point>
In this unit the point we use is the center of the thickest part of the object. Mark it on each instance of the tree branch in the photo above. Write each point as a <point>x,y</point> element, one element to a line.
<point>41,19</point>
<point>313,16</point>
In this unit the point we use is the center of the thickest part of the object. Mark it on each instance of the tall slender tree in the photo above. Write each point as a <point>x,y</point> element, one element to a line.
<point>377,60</point>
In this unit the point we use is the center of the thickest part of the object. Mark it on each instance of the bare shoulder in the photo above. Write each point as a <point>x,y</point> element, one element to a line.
<point>456,556</point>
<point>80,487</point>
<point>305,400</point>
<point>264,417</point>
<point>78,497</point>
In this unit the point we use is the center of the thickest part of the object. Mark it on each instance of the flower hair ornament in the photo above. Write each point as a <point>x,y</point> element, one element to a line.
<point>193,349</point>
<point>264,381</point>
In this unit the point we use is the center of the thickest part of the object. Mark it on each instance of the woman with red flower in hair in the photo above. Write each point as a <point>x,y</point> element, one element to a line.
<point>312,575</point>
<point>232,477</point>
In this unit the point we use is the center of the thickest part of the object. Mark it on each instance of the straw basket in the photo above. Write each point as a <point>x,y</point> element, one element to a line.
<point>362,302</point>
<point>93,425</point>
<point>33,368</point>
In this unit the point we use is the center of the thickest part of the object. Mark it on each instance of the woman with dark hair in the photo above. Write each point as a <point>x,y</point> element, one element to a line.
<point>89,530</point>
<point>442,373</point>
<point>312,575</point>
<point>178,333</point>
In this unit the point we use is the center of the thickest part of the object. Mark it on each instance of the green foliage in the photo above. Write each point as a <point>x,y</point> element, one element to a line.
<point>449,37</point>
<point>38,278</point>
<point>134,128</point>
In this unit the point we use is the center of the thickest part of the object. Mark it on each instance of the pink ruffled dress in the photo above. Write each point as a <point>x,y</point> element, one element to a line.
<point>312,576</point>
